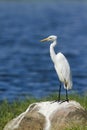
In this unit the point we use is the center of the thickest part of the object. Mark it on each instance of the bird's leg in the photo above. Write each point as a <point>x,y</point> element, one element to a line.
<point>58,100</point>
<point>59,92</point>
<point>67,95</point>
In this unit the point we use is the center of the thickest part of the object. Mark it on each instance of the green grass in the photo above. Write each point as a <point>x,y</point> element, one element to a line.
<point>10,110</point>
<point>77,128</point>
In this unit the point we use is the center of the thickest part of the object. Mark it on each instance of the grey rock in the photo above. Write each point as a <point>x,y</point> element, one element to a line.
<point>49,116</point>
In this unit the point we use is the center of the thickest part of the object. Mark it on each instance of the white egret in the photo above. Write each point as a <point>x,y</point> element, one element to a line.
<point>61,65</point>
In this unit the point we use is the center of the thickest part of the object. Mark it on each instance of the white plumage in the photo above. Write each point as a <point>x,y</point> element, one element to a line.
<point>61,65</point>
<point>63,70</point>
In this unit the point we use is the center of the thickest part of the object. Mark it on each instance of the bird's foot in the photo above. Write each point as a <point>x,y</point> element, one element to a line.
<point>56,101</point>
<point>66,100</point>
<point>59,101</point>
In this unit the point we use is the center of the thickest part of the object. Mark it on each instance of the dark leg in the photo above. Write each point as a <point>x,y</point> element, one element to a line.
<point>59,92</point>
<point>67,96</point>
<point>58,100</point>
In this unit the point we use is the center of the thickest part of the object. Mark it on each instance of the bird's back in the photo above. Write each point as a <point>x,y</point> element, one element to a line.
<point>63,70</point>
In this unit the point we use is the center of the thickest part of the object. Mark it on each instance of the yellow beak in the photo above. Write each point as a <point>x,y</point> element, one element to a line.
<point>44,40</point>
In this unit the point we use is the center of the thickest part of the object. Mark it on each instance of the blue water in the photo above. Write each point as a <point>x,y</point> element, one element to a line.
<point>25,64</point>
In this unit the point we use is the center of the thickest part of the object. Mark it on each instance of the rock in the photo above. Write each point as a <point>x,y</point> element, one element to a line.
<point>49,116</point>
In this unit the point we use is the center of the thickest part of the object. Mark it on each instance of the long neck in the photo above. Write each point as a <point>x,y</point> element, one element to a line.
<point>52,52</point>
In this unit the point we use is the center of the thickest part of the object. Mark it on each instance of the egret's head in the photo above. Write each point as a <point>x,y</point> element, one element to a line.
<point>50,38</point>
